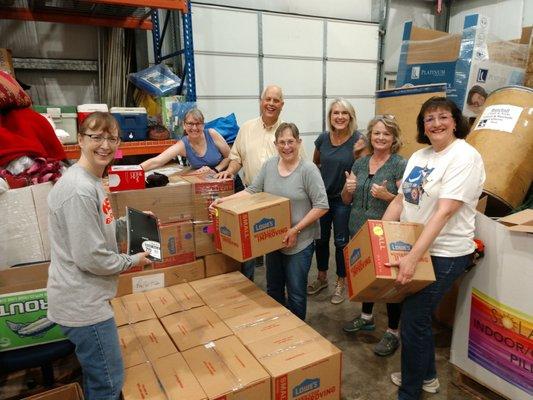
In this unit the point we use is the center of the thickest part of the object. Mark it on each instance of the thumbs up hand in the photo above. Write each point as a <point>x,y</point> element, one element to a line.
<point>351,182</point>
<point>380,191</point>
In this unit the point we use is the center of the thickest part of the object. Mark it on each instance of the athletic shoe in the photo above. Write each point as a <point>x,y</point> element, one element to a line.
<point>388,344</point>
<point>359,324</point>
<point>317,286</point>
<point>338,295</point>
<point>429,385</point>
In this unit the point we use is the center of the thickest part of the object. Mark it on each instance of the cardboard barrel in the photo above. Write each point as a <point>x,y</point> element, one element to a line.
<point>503,135</point>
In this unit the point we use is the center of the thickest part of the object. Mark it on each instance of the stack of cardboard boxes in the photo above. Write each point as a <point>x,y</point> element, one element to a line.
<point>220,337</point>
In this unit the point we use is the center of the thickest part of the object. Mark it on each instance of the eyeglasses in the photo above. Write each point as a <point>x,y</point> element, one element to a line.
<point>434,118</point>
<point>193,123</point>
<point>99,139</point>
<point>283,143</point>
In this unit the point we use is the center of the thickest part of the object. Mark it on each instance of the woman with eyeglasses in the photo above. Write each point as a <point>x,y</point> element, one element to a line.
<point>205,149</point>
<point>290,176</point>
<point>440,189</point>
<point>371,185</point>
<point>334,155</point>
<point>85,262</point>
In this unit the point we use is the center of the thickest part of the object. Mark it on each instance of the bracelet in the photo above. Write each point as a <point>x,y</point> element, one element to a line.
<point>297,230</point>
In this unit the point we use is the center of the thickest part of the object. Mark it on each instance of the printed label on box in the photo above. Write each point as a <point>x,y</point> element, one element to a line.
<point>499,118</point>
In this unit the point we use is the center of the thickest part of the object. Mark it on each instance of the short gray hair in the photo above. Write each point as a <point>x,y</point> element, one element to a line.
<point>352,126</point>
<point>263,93</point>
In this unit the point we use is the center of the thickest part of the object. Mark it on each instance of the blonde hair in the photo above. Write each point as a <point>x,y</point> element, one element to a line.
<point>391,125</point>
<point>352,126</point>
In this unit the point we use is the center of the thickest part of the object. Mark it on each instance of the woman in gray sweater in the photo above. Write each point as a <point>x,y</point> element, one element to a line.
<point>85,261</point>
<point>299,180</point>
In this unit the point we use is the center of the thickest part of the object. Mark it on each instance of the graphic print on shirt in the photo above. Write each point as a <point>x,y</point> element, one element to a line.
<point>108,211</point>
<point>413,185</point>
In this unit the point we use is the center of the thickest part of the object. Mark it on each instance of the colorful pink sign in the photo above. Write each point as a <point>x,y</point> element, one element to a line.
<point>501,340</point>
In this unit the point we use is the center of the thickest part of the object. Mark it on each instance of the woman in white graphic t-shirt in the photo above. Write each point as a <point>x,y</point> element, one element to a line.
<point>440,189</point>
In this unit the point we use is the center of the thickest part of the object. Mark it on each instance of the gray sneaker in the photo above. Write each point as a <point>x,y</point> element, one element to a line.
<point>338,295</point>
<point>388,344</point>
<point>429,385</point>
<point>316,286</point>
<point>359,324</point>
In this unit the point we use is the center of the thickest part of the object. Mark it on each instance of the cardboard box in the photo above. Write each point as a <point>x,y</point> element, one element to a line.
<point>121,318</point>
<point>377,243</point>
<point>6,61</point>
<point>169,203</point>
<point>302,364</point>
<point>140,383</point>
<point>154,339</point>
<point>257,318</point>
<point>23,321</point>
<point>194,327</point>
<point>26,223</point>
<point>227,370</point>
<point>177,379</point>
<point>217,264</point>
<point>221,293</point>
<point>126,177</point>
<point>205,189</point>
<point>162,302</point>
<point>177,244</point>
<point>149,280</point>
<point>204,238</point>
<point>137,307</point>
<point>404,104</point>
<point>521,221</point>
<point>185,296</point>
<point>249,227</point>
<point>460,60</point>
<point>132,351</point>
<point>72,391</point>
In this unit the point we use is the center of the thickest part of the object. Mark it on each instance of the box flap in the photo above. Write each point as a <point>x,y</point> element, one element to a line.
<point>154,339</point>
<point>132,352</point>
<point>254,202</point>
<point>163,302</point>
<point>194,327</point>
<point>185,296</point>
<point>137,307</point>
<point>224,366</point>
<point>72,391</point>
<point>23,278</point>
<point>121,318</point>
<point>290,350</point>
<point>177,379</point>
<point>521,221</point>
<point>141,383</point>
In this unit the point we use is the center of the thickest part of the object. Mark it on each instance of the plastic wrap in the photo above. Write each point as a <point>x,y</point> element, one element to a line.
<point>471,62</point>
<point>158,80</point>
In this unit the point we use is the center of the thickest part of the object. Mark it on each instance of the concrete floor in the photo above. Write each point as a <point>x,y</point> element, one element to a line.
<point>366,376</point>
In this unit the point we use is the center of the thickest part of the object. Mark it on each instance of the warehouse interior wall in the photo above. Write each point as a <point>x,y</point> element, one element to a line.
<point>76,42</point>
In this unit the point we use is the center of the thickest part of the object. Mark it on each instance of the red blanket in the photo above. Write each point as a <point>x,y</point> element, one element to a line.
<point>24,132</point>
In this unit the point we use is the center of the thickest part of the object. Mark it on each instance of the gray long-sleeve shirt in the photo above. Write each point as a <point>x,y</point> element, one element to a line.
<point>305,189</point>
<point>85,262</point>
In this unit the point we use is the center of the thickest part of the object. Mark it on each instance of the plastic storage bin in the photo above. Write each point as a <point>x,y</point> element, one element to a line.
<point>64,117</point>
<point>85,109</point>
<point>133,122</point>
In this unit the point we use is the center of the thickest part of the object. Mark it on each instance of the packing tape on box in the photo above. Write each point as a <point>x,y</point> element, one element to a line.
<point>293,346</point>
<point>237,382</point>
<point>261,321</point>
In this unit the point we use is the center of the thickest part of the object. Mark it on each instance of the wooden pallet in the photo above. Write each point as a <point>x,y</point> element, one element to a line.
<point>476,390</point>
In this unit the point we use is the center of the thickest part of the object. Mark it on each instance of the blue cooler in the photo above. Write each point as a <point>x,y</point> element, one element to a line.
<point>133,122</point>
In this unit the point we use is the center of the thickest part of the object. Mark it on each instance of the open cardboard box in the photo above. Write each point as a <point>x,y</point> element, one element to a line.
<point>521,221</point>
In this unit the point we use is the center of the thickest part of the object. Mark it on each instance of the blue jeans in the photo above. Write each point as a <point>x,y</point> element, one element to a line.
<point>418,347</point>
<point>289,271</point>
<point>98,351</point>
<point>338,216</point>
<point>248,268</point>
